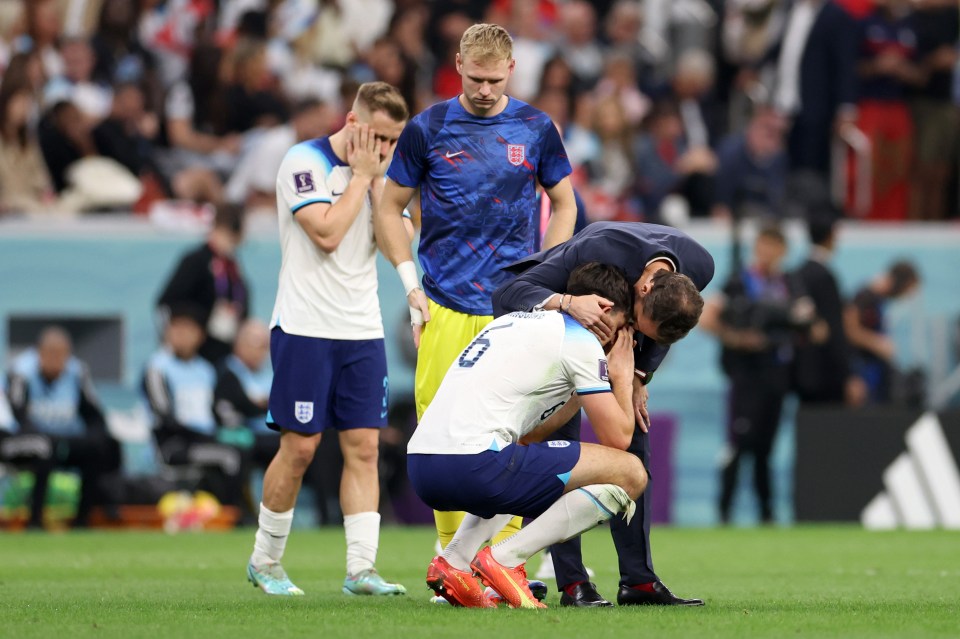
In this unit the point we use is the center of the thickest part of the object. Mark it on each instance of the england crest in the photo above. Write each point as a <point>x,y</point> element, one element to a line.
<point>516,153</point>
<point>303,411</point>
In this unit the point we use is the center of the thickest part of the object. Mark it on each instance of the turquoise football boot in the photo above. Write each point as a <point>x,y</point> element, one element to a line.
<point>272,579</point>
<point>369,582</point>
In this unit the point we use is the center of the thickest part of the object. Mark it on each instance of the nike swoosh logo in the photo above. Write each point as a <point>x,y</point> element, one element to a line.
<point>449,155</point>
<point>524,600</point>
<point>335,194</point>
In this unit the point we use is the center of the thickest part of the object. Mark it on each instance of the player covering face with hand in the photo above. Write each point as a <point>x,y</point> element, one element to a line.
<point>518,381</point>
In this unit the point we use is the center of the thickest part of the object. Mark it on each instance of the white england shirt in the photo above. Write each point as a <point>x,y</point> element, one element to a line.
<point>334,295</point>
<point>516,373</point>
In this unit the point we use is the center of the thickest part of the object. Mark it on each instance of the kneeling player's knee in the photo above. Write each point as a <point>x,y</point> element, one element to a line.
<point>635,477</point>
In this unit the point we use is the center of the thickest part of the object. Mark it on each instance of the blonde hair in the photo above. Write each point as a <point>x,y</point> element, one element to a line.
<point>380,96</point>
<point>486,42</point>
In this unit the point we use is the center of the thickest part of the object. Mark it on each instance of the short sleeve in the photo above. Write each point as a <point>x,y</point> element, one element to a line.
<point>554,165</point>
<point>583,361</point>
<point>179,103</point>
<point>409,159</point>
<point>302,178</point>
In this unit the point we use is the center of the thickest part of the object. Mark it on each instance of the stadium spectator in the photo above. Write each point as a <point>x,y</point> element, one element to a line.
<point>253,183</point>
<point>65,138</point>
<point>329,362</point>
<point>169,29</point>
<point>610,169</point>
<point>8,424</point>
<point>487,407</point>
<point>386,62</point>
<point>752,168</point>
<point>816,81</point>
<point>77,84</point>
<point>622,27</point>
<point>757,319</point>
<point>865,323</point>
<point>61,425</point>
<point>888,49</point>
<point>196,154</point>
<point>127,134</point>
<point>25,185</point>
<point>821,371</point>
<point>578,44</point>
<point>209,277</point>
<point>178,386</point>
<point>935,116</point>
<point>668,269</point>
<point>249,98</point>
<point>497,215</point>
<point>120,58</point>
<point>44,29</point>
<point>666,164</point>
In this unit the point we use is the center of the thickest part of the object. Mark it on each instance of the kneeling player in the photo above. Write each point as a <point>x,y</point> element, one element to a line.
<point>479,447</point>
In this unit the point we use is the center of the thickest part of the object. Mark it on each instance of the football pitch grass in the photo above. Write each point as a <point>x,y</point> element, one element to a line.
<point>789,582</point>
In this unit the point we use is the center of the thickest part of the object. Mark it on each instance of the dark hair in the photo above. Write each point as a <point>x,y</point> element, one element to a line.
<point>185,309</point>
<point>821,223</point>
<point>674,303</point>
<point>594,278</point>
<point>903,275</point>
<point>772,231</point>
<point>229,217</point>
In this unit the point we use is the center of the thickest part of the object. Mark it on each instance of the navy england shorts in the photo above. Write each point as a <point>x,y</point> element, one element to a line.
<point>326,383</point>
<point>518,480</point>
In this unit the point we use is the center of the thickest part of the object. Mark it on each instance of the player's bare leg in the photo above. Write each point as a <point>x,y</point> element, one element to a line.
<point>359,500</point>
<point>281,485</point>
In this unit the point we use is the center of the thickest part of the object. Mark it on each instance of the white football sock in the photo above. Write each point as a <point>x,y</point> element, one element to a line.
<point>574,513</point>
<point>470,537</point>
<point>272,533</point>
<point>363,537</point>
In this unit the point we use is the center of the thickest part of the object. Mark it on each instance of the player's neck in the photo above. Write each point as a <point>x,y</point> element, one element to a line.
<point>338,142</point>
<point>493,111</point>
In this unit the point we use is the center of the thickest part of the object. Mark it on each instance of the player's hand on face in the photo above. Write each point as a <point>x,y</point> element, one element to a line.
<point>363,151</point>
<point>419,313</point>
<point>590,310</point>
<point>386,153</point>
<point>640,395</point>
<point>620,357</point>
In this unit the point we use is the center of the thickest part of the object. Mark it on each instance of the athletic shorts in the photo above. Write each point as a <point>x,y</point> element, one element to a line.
<point>446,334</point>
<point>519,480</point>
<point>326,383</point>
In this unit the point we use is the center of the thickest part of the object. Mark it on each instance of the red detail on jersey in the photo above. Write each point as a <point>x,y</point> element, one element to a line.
<point>472,248</point>
<point>517,154</point>
<point>479,287</point>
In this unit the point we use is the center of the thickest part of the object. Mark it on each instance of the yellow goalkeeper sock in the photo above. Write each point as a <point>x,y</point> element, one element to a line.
<point>448,522</point>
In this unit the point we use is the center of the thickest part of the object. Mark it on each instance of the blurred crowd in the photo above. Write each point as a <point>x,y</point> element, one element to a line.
<point>669,110</point>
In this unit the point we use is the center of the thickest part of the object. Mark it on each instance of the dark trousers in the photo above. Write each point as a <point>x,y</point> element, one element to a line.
<point>222,466</point>
<point>95,454</point>
<point>756,401</point>
<point>631,541</point>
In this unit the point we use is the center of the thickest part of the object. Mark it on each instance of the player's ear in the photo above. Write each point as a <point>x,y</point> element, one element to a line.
<point>459,61</point>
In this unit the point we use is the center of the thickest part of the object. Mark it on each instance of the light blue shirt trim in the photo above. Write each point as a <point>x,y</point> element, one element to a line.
<point>294,209</point>
<point>564,477</point>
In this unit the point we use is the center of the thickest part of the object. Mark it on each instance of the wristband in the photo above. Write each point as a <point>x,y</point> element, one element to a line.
<point>645,378</point>
<point>416,316</point>
<point>408,275</point>
<point>569,302</point>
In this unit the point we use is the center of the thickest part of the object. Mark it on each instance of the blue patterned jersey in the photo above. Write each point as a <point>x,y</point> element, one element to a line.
<point>477,179</point>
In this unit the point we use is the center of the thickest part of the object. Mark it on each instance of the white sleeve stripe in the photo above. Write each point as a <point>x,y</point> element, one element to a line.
<point>157,391</point>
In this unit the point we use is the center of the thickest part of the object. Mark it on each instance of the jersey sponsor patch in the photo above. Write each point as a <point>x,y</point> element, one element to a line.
<point>516,153</point>
<point>303,411</point>
<point>604,372</point>
<point>558,444</point>
<point>303,181</point>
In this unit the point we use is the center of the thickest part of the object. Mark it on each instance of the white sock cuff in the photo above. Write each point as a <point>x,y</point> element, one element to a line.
<point>275,523</point>
<point>611,499</point>
<point>371,517</point>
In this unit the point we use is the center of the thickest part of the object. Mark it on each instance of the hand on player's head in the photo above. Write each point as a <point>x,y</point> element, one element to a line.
<point>363,151</point>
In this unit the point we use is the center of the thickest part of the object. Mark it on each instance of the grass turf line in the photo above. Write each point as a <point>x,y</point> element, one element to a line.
<point>801,582</point>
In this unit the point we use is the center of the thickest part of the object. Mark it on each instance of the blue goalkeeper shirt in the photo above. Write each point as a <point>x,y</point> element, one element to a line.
<point>477,179</point>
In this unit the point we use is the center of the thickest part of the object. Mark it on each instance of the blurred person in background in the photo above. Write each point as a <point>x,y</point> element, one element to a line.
<point>77,83</point>
<point>250,97</point>
<point>44,28</point>
<point>25,70</point>
<point>119,55</point>
<point>874,357</point>
<point>752,168</point>
<point>757,319</point>
<point>209,278</point>
<point>171,30</point>
<point>935,116</point>
<point>816,80</point>
<point>610,170</point>
<point>25,185</point>
<point>196,152</point>
<point>61,424</point>
<point>253,183</point>
<point>666,164</point>
<point>887,67</point>
<point>692,88</point>
<point>127,134</point>
<point>65,138</point>
<point>577,42</point>
<point>178,386</point>
<point>822,371</point>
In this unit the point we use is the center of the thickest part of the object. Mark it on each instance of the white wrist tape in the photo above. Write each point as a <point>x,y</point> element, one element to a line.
<point>408,275</point>
<point>416,316</point>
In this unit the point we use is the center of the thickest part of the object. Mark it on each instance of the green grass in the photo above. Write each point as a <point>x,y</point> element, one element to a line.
<point>802,582</point>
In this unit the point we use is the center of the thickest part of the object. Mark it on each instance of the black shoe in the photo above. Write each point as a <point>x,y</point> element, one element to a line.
<point>584,595</point>
<point>660,596</point>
